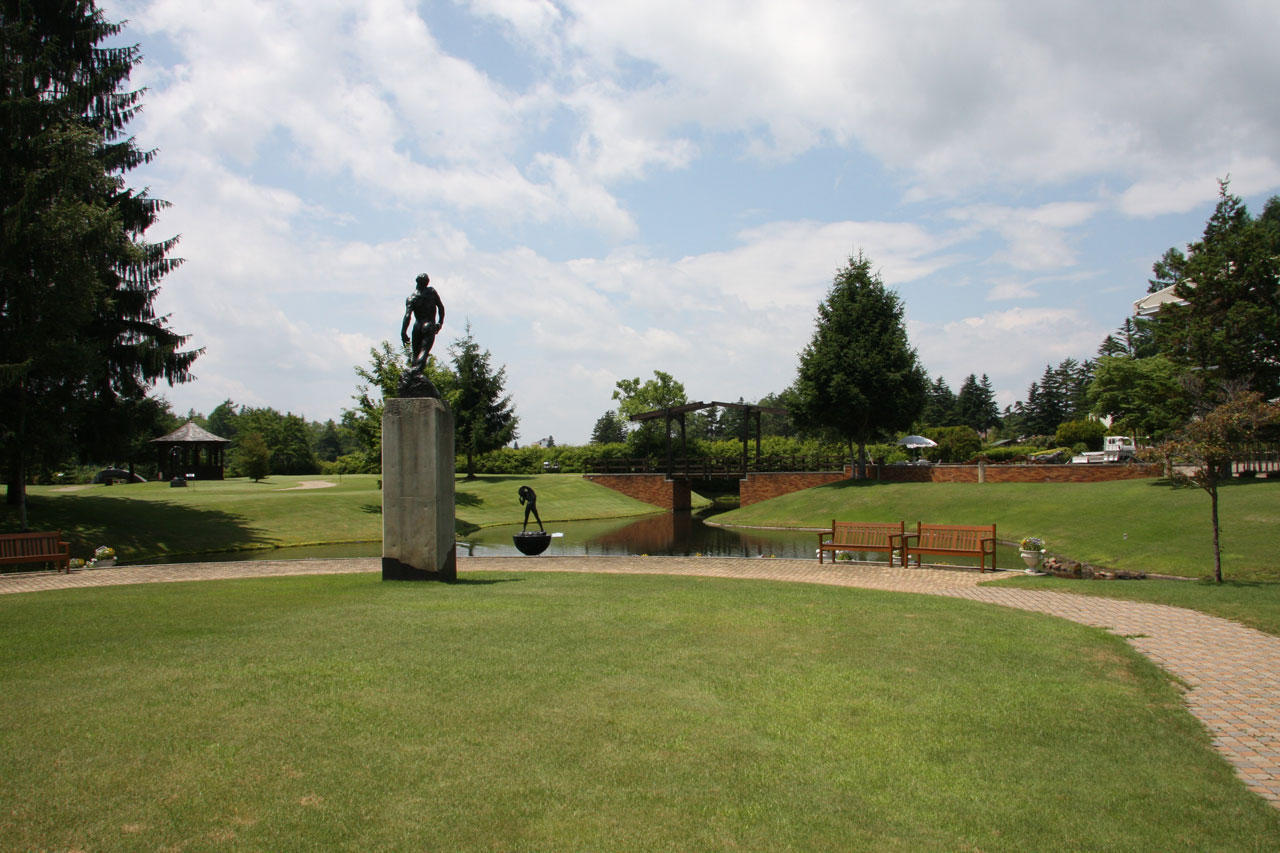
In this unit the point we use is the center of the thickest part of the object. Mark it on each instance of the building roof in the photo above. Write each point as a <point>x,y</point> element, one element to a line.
<point>189,433</point>
<point>1150,304</point>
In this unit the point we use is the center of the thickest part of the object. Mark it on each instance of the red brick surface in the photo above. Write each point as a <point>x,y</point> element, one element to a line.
<point>653,489</point>
<point>1016,473</point>
<point>760,486</point>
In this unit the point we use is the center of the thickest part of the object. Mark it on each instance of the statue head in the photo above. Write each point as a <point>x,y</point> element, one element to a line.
<point>423,280</point>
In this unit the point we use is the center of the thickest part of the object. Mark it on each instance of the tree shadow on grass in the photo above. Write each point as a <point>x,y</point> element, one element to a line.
<point>137,530</point>
<point>494,478</point>
<point>857,484</point>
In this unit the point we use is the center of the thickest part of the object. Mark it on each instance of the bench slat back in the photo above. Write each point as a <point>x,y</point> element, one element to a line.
<point>864,533</point>
<point>953,536</point>
<point>28,544</point>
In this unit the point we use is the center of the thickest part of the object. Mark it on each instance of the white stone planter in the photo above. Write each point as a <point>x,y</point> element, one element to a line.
<point>1033,560</point>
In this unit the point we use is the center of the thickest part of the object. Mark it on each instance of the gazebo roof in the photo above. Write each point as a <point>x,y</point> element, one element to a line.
<point>189,433</point>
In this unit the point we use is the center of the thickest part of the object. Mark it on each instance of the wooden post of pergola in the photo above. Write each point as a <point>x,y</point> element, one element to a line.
<point>749,413</point>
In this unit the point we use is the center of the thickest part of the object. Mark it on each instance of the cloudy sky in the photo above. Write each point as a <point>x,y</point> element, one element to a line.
<point>604,188</point>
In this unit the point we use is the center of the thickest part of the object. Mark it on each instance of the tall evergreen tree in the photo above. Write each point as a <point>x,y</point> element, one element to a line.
<point>80,342</point>
<point>859,377</point>
<point>484,419</point>
<point>1228,327</point>
<point>609,429</point>
<point>976,404</point>
<point>939,405</point>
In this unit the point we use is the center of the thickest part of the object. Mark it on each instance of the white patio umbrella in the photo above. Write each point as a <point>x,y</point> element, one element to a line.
<point>915,442</point>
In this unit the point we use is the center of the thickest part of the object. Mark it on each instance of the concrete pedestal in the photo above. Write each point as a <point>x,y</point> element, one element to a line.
<point>417,490</point>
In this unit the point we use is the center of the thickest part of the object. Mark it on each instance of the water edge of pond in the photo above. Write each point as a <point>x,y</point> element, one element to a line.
<point>666,534</point>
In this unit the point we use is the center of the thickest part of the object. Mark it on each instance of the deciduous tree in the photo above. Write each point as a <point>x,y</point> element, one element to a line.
<point>1211,441</point>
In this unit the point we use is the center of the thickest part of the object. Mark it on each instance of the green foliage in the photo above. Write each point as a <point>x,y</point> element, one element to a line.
<point>286,436</point>
<point>1086,431</point>
<point>1134,339</point>
<point>859,376</point>
<point>80,343</point>
<point>381,379</point>
<point>1060,395</point>
<point>955,444</point>
<point>634,398</point>
<point>1009,452</point>
<point>939,405</point>
<point>609,429</point>
<point>483,418</point>
<point>1228,330</point>
<point>976,404</point>
<point>1144,396</point>
<point>1210,442</point>
<point>252,458</point>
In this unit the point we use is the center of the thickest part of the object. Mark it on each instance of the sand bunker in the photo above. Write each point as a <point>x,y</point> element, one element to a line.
<point>309,484</point>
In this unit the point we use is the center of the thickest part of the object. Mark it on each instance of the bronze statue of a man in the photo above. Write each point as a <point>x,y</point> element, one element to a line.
<point>422,307</point>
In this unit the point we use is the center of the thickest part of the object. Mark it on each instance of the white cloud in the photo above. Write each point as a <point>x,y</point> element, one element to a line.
<point>1012,346</point>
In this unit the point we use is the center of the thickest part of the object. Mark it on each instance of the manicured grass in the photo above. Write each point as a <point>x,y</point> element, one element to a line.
<point>1139,525</point>
<point>589,712</point>
<point>150,520</point>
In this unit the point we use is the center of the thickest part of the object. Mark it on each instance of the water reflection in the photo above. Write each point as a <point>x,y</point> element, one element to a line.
<point>665,534</point>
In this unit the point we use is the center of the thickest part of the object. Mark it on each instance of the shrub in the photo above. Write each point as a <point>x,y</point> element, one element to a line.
<point>955,444</point>
<point>1087,431</point>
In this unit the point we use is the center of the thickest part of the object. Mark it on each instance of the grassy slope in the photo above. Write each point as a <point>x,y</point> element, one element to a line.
<point>1141,525</point>
<point>148,520</point>
<point>561,712</point>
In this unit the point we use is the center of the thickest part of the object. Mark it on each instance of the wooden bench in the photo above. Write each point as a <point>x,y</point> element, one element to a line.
<point>16,548</point>
<point>860,536</point>
<point>951,540</point>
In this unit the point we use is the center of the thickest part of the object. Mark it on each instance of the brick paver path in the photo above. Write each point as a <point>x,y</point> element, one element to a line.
<point>1233,672</point>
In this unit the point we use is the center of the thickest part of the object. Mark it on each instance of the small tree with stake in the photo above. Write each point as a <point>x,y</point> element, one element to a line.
<point>1211,442</point>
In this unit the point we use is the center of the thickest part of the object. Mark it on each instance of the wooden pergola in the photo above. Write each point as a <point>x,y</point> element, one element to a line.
<point>190,451</point>
<point>677,413</point>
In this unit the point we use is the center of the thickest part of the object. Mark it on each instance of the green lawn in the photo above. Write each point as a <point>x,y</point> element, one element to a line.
<point>590,712</point>
<point>149,520</point>
<point>1139,525</point>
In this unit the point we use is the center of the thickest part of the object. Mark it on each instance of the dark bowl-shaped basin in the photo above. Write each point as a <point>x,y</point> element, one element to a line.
<point>531,543</point>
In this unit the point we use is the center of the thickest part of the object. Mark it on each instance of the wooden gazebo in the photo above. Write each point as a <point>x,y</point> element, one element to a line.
<point>190,452</point>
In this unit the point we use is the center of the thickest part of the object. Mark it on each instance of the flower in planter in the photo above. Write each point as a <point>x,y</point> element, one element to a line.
<point>1032,543</point>
<point>103,553</point>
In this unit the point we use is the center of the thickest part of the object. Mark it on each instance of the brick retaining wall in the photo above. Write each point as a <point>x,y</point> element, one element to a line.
<point>761,486</point>
<point>653,489</point>
<point>1016,473</point>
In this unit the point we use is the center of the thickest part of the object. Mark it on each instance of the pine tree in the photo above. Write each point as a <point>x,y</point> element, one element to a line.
<point>80,342</point>
<point>859,376</point>
<point>484,419</point>
<point>1228,327</point>
<point>940,405</point>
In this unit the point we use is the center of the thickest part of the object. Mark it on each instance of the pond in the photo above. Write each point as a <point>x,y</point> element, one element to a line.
<point>667,534</point>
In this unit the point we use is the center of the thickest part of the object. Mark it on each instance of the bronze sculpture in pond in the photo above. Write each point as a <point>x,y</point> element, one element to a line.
<point>425,310</point>
<point>529,498</point>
